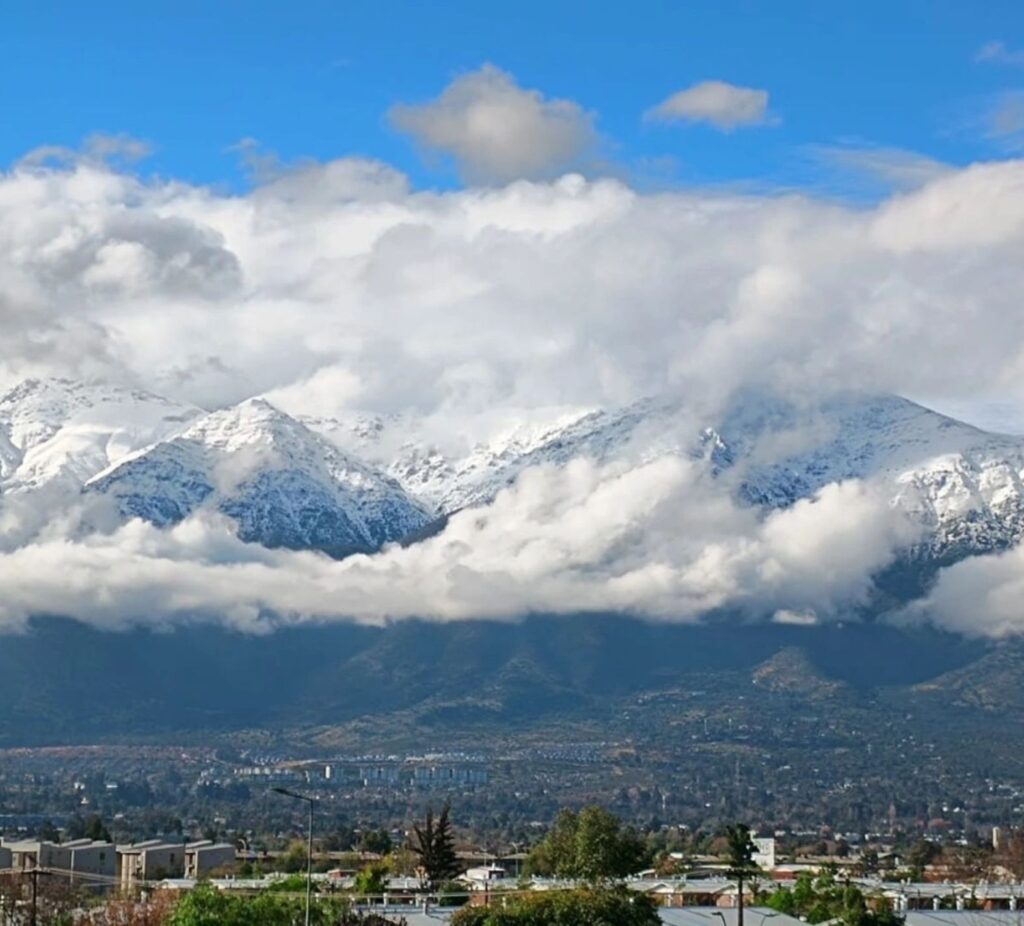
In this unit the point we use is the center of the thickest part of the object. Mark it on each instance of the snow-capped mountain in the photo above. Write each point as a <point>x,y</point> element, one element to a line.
<point>344,486</point>
<point>964,485</point>
<point>283,485</point>
<point>59,433</point>
<point>447,481</point>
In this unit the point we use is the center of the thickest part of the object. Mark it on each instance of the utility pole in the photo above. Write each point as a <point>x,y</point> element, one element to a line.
<point>35,892</point>
<point>309,843</point>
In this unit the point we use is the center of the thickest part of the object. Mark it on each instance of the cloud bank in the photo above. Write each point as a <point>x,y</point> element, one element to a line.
<point>558,293</point>
<point>658,540</point>
<point>338,288</point>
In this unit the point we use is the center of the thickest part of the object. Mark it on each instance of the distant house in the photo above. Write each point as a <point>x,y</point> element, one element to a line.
<point>485,876</point>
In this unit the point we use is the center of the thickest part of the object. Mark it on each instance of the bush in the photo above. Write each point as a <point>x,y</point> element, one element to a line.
<point>589,907</point>
<point>207,906</point>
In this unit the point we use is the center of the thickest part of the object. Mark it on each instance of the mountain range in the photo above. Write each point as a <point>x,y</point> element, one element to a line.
<point>345,486</point>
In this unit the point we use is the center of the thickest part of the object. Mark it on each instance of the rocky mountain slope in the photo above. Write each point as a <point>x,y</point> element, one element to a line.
<point>962,484</point>
<point>281,483</point>
<point>62,432</point>
<point>344,486</point>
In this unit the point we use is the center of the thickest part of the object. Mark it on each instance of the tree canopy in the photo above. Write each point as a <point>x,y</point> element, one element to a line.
<point>822,898</point>
<point>207,906</point>
<point>741,850</point>
<point>589,907</point>
<point>592,845</point>
<point>434,844</point>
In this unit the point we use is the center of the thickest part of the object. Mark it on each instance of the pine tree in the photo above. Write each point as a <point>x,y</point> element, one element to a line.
<point>741,861</point>
<point>435,846</point>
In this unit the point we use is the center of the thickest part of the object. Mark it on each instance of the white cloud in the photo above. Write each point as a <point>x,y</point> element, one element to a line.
<point>340,289</point>
<point>980,596</point>
<point>660,539</point>
<point>496,131</point>
<point>1005,121</point>
<point>1000,53</point>
<point>895,168</point>
<point>566,293</point>
<point>726,106</point>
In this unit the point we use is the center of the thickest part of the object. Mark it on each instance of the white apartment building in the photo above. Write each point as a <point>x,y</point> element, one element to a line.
<point>151,860</point>
<point>205,856</point>
<point>82,860</point>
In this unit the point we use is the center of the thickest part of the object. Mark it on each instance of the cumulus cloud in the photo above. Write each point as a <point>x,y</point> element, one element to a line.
<point>537,294</point>
<point>497,131</point>
<point>979,596</point>
<point>339,289</point>
<point>658,540</point>
<point>726,106</point>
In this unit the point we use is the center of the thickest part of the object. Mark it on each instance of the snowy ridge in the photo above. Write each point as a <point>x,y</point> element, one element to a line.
<point>448,482</point>
<point>61,432</point>
<point>964,485</point>
<point>281,483</point>
<point>346,486</point>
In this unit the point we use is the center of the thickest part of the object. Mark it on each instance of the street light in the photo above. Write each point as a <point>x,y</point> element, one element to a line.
<point>309,847</point>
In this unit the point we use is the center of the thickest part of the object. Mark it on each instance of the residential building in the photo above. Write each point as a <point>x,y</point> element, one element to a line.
<point>81,859</point>
<point>205,856</point>
<point>152,860</point>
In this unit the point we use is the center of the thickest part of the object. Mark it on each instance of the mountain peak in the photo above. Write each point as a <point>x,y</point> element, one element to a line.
<point>58,430</point>
<point>283,484</point>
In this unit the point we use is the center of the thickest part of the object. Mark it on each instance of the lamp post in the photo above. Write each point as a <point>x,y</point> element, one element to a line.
<point>309,844</point>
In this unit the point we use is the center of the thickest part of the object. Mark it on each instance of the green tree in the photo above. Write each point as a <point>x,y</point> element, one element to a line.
<point>94,829</point>
<point>821,899</point>
<point>294,858</point>
<point>208,906</point>
<point>434,844</point>
<point>922,854</point>
<point>343,839</point>
<point>372,880</point>
<point>590,846</point>
<point>588,907</point>
<point>741,851</point>
<point>293,884</point>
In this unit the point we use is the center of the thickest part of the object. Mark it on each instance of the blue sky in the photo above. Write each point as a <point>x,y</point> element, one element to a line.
<point>316,79</point>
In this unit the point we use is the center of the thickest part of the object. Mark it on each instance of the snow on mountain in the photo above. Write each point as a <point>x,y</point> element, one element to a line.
<point>353,485</point>
<point>283,485</point>
<point>59,433</point>
<point>962,484</point>
<point>448,479</point>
